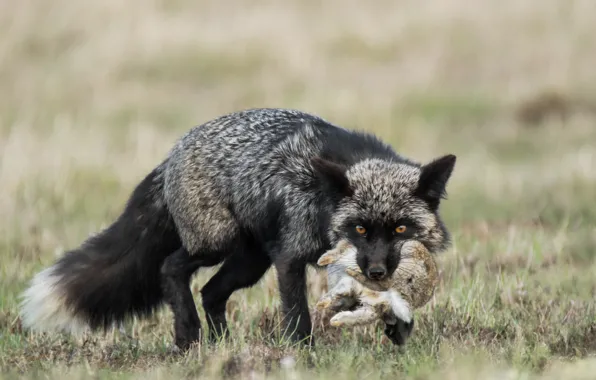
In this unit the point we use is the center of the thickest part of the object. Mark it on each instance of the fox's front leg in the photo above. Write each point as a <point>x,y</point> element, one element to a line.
<point>291,277</point>
<point>340,297</point>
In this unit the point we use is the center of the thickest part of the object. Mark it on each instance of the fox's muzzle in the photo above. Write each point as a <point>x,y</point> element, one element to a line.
<point>377,272</point>
<point>379,260</point>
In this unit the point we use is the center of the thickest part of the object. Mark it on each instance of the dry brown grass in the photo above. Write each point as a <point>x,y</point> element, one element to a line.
<point>95,93</point>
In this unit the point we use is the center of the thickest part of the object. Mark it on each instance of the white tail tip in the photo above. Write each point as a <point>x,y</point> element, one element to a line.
<point>43,307</point>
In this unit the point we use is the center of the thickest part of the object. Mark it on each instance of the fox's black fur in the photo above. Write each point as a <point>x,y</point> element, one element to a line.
<point>249,189</point>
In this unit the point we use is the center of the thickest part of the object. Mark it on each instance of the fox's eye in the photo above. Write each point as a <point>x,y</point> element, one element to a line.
<point>400,229</point>
<point>361,230</point>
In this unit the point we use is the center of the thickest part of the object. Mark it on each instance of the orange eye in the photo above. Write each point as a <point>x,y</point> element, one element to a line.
<point>361,230</point>
<point>400,229</point>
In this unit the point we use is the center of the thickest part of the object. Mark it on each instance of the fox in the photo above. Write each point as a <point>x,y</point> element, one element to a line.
<point>410,287</point>
<point>248,190</point>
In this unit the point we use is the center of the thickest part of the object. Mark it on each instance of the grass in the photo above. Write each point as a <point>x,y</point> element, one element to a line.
<point>94,95</point>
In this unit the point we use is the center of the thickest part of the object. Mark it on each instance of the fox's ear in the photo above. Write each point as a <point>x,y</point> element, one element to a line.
<point>433,180</point>
<point>332,174</point>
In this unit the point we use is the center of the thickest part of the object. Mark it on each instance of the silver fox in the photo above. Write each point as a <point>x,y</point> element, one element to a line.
<point>249,189</point>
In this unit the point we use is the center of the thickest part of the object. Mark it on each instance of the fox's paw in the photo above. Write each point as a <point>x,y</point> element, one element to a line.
<point>399,332</point>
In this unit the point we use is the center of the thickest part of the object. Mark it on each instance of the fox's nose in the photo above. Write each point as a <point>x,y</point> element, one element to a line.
<point>376,273</point>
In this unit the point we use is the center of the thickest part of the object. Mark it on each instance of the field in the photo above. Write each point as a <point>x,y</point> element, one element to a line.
<point>93,94</point>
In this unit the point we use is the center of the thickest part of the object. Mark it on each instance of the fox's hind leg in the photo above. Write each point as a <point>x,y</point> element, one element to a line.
<point>176,272</point>
<point>242,269</point>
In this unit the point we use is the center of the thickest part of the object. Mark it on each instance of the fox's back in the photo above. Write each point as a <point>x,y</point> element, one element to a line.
<point>237,144</point>
<point>245,165</point>
<point>257,143</point>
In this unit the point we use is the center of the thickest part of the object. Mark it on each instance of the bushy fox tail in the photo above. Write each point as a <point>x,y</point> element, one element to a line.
<point>112,275</point>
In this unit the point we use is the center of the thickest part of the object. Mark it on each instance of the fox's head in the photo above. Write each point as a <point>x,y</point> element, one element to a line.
<point>381,204</point>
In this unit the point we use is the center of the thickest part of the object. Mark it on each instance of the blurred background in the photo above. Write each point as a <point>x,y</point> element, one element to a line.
<point>93,94</point>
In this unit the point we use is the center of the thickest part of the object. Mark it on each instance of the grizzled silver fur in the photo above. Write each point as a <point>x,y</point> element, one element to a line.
<point>227,162</point>
<point>383,191</point>
<point>223,162</point>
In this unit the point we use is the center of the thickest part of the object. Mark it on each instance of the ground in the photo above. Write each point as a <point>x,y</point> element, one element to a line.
<point>95,93</point>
